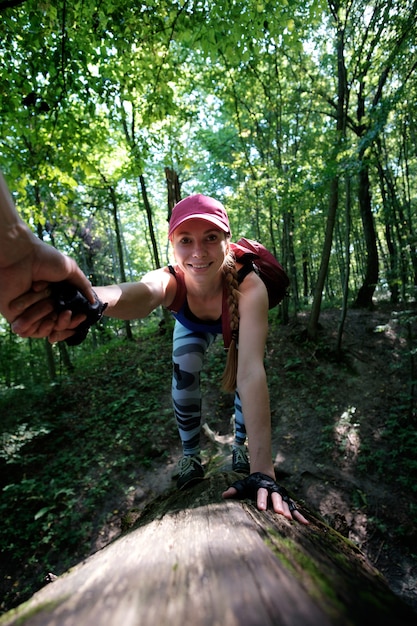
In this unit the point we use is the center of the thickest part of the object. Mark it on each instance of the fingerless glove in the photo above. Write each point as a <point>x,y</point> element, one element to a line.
<point>67,297</point>
<point>248,488</point>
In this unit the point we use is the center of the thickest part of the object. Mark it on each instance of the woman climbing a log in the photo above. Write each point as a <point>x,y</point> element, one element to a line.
<point>206,267</point>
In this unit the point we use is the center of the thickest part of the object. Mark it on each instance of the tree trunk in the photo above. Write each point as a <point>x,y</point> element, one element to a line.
<point>366,291</point>
<point>312,327</point>
<point>388,202</point>
<point>342,97</point>
<point>64,356</point>
<point>115,212</point>
<point>345,278</point>
<point>193,558</point>
<point>50,360</point>
<point>149,216</point>
<point>173,189</point>
<point>289,262</point>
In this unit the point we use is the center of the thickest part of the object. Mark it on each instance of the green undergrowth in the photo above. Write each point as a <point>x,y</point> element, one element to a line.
<point>69,448</point>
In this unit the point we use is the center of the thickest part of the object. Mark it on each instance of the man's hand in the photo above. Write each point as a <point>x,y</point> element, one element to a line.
<point>27,266</point>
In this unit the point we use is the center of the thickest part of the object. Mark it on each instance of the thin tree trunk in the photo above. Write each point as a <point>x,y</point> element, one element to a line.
<point>347,267</point>
<point>115,214</point>
<point>289,262</point>
<point>63,352</point>
<point>364,298</point>
<point>391,263</point>
<point>149,216</point>
<point>312,328</point>
<point>50,361</point>
<point>173,196</point>
<point>173,189</point>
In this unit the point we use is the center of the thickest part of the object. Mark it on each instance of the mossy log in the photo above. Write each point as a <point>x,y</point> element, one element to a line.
<point>193,558</point>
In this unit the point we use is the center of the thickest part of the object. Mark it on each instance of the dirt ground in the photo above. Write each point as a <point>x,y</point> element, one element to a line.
<point>326,415</point>
<point>369,507</point>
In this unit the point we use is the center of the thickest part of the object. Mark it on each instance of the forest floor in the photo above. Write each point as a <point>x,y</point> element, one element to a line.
<point>345,470</point>
<point>344,435</point>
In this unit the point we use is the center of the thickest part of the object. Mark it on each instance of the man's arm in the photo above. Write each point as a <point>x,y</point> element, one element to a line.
<point>28,264</point>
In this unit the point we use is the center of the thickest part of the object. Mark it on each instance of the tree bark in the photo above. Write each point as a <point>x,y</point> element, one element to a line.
<point>193,558</point>
<point>149,216</point>
<point>50,360</point>
<point>364,298</point>
<point>173,189</point>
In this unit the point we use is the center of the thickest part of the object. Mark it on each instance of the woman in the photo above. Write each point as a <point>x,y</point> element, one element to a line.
<point>199,232</point>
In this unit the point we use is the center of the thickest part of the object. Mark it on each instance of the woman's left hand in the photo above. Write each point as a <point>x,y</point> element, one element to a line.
<point>259,487</point>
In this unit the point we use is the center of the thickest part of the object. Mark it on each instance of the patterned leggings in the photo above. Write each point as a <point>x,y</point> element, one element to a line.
<point>189,349</point>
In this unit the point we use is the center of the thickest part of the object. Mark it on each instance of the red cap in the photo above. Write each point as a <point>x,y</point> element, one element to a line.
<point>199,207</point>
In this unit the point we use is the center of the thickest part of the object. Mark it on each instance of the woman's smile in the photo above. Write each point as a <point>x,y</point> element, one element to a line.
<point>199,266</point>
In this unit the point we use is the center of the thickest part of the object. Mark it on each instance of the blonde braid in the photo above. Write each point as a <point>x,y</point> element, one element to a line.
<point>231,280</point>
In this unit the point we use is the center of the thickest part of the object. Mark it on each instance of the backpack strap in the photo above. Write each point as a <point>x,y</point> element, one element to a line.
<point>181,292</point>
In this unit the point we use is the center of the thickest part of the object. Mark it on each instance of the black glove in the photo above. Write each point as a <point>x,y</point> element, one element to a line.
<point>248,488</point>
<point>67,297</point>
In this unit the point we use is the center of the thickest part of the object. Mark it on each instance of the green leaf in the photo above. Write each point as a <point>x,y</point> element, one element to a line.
<point>42,512</point>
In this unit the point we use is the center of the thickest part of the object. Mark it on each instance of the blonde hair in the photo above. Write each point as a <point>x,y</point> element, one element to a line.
<point>232,286</point>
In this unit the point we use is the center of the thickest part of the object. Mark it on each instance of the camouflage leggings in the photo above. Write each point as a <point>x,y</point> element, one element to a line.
<point>189,349</point>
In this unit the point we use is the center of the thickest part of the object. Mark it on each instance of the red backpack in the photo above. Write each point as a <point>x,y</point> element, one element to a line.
<point>264,264</point>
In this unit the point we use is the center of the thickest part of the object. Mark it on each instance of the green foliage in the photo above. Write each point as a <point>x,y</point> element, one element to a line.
<point>69,448</point>
<point>239,99</point>
<point>21,362</point>
<point>396,455</point>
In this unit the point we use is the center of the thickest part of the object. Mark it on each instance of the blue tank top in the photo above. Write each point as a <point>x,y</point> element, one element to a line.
<point>187,318</point>
<point>194,323</point>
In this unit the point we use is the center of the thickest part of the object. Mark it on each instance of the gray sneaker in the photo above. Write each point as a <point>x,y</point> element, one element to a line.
<point>240,460</point>
<point>190,471</point>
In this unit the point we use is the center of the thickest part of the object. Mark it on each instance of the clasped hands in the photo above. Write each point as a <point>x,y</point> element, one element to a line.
<point>58,311</point>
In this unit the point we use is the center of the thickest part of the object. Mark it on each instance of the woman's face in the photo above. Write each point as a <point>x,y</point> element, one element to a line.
<point>200,248</point>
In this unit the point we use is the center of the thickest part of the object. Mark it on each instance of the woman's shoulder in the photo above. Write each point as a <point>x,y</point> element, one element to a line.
<point>253,287</point>
<point>162,281</point>
<point>176,289</point>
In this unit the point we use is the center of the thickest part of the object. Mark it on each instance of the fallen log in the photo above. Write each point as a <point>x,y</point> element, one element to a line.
<point>193,558</point>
